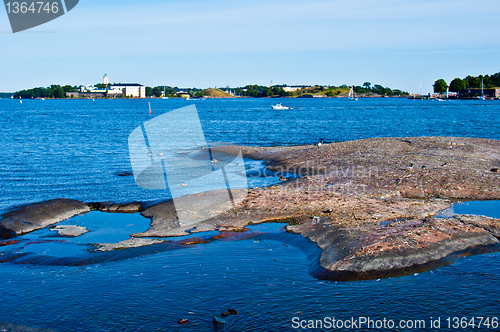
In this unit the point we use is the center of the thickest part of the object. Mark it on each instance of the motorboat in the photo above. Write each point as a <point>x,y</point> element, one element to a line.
<point>280,107</point>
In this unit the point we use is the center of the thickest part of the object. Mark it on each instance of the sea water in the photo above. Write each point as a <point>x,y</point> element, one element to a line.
<point>78,149</point>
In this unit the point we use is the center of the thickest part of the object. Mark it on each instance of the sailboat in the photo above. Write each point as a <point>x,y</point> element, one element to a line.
<point>483,97</point>
<point>351,94</point>
<point>164,93</point>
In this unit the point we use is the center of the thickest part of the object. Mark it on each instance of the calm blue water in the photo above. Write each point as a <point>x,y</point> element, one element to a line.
<point>77,149</point>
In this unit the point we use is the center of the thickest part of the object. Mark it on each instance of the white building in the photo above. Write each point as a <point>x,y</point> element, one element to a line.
<point>294,88</point>
<point>91,88</point>
<point>133,90</point>
<point>105,79</point>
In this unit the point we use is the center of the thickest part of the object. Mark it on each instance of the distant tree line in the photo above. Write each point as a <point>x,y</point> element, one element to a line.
<point>254,91</point>
<point>378,89</point>
<point>171,92</point>
<point>54,91</point>
<point>470,82</point>
<point>5,94</point>
<point>259,91</point>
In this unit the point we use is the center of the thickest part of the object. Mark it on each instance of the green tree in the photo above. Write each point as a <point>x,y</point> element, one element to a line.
<point>267,93</point>
<point>101,86</point>
<point>488,82</point>
<point>440,86</point>
<point>472,82</point>
<point>157,92</point>
<point>495,79</point>
<point>367,85</point>
<point>149,91</point>
<point>69,88</point>
<point>58,92</point>
<point>457,85</point>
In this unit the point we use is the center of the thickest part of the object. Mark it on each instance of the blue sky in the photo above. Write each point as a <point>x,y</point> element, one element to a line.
<point>191,43</point>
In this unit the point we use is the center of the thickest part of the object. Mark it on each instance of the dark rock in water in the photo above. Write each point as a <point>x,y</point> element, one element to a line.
<point>31,217</point>
<point>126,173</point>
<point>219,322</point>
<point>183,322</point>
<point>7,234</point>
<point>233,311</point>
<point>225,314</point>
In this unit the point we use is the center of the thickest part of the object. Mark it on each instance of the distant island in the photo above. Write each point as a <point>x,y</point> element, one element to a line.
<point>470,87</point>
<point>135,90</point>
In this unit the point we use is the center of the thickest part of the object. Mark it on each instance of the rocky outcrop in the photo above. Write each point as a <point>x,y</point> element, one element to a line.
<point>368,204</point>
<point>371,250</point>
<point>413,167</point>
<point>31,217</point>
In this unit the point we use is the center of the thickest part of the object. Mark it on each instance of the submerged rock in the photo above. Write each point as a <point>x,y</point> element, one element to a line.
<point>130,243</point>
<point>31,217</point>
<point>70,230</point>
<point>7,233</point>
<point>219,322</point>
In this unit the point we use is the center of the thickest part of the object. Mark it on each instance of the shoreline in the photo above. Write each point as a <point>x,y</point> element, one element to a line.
<point>210,97</point>
<point>368,204</point>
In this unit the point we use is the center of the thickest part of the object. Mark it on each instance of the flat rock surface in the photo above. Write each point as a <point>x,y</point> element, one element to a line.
<point>414,167</point>
<point>31,217</point>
